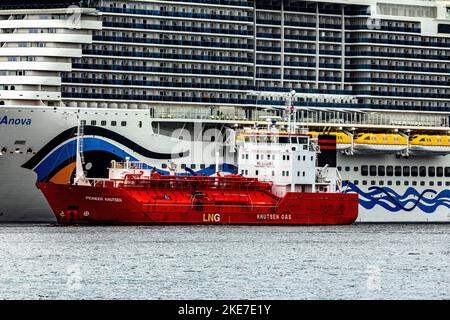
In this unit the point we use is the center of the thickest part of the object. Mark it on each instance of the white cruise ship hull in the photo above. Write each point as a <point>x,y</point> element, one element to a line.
<point>39,147</point>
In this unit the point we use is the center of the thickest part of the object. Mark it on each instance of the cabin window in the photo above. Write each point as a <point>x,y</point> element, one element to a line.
<point>113,123</point>
<point>431,171</point>
<point>397,183</point>
<point>389,171</point>
<point>183,166</point>
<point>256,172</point>
<point>347,169</point>
<point>414,183</point>
<point>373,182</point>
<point>406,171</point>
<point>355,169</point>
<point>257,157</point>
<point>364,170</point>
<point>373,171</point>
<point>93,123</point>
<point>202,166</point>
<point>364,182</point>
<point>140,124</point>
<point>164,166</point>
<point>356,182</point>
<point>193,166</point>
<point>447,172</point>
<point>103,123</point>
<point>389,183</point>
<point>431,183</point>
<point>406,183</point>
<point>123,123</point>
<point>414,171</point>
<point>422,171</point>
<point>273,173</point>
<point>439,183</point>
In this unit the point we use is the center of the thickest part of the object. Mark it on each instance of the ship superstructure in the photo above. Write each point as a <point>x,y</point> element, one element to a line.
<point>163,81</point>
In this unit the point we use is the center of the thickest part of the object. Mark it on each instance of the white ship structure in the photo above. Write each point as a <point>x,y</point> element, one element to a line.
<point>170,83</point>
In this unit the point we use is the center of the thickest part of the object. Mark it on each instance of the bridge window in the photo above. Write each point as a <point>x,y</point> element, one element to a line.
<point>439,172</point>
<point>414,171</point>
<point>431,171</point>
<point>381,171</point>
<point>398,171</point>
<point>373,171</point>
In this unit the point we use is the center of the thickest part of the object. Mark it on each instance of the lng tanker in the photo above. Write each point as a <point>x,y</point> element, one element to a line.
<point>279,184</point>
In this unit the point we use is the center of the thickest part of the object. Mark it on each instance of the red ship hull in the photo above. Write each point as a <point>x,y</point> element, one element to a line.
<point>147,205</point>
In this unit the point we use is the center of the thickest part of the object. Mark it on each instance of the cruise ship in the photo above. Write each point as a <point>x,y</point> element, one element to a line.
<point>171,83</point>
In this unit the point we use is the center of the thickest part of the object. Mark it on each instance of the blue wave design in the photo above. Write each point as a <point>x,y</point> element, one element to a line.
<point>427,201</point>
<point>68,150</point>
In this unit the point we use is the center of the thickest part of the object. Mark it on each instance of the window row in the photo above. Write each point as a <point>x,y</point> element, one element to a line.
<point>404,171</point>
<point>399,183</point>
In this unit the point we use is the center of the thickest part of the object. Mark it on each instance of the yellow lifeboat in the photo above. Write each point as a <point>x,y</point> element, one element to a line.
<point>343,141</point>
<point>422,143</point>
<point>380,142</point>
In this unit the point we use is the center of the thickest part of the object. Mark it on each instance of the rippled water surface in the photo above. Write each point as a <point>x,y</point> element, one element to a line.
<point>215,262</point>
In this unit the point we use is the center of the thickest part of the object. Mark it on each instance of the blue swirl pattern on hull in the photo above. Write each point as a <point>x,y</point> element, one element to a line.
<point>427,201</point>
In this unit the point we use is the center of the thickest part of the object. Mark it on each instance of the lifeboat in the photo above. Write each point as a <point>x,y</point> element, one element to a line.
<point>343,140</point>
<point>421,143</point>
<point>380,142</point>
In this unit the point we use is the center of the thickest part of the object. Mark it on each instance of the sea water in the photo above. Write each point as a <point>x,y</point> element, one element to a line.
<point>361,261</point>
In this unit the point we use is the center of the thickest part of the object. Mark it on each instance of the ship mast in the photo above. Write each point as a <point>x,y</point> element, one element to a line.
<point>80,175</point>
